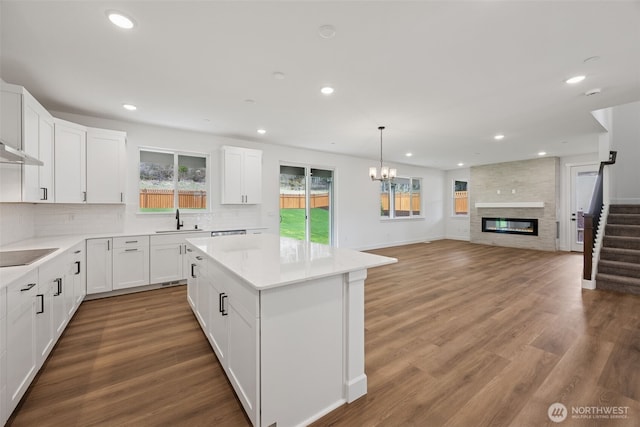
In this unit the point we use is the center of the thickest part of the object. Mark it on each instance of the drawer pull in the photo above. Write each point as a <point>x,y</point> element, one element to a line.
<point>193,273</point>
<point>59,291</point>
<point>130,250</point>
<point>41,304</point>
<point>223,309</point>
<point>29,286</point>
<point>77,252</point>
<point>78,267</point>
<point>199,258</point>
<point>131,241</point>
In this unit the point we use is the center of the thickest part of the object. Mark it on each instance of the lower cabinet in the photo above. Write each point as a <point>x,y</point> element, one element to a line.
<point>21,337</point>
<point>78,274</point>
<point>99,265</point>
<point>130,261</point>
<point>168,256</point>
<point>49,277</point>
<point>227,310</point>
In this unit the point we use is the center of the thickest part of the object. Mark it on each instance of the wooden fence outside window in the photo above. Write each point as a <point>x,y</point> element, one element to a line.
<point>461,202</point>
<point>163,199</point>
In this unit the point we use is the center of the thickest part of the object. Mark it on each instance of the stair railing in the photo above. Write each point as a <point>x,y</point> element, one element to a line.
<point>592,218</point>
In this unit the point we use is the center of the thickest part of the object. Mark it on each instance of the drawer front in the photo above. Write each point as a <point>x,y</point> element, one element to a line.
<point>130,241</point>
<point>18,292</point>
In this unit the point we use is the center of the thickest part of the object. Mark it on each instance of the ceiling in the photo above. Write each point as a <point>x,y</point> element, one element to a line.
<point>443,77</point>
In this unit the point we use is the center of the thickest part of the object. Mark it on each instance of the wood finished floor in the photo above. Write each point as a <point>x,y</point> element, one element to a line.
<point>456,335</point>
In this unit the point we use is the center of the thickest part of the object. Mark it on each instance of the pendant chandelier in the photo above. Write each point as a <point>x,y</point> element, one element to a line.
<point>386,174</point>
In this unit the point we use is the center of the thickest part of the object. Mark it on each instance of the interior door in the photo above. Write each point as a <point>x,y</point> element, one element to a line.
<point>583,179</point>
<point>306,204</point>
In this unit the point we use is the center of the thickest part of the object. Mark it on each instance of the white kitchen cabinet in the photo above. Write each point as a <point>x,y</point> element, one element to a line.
<point>130,261</point>
<point>47,286</point>
<point>241,176</point>
<point>193,279</point>
<point>78,273</point>
<point>99,265</point>
<point>227,310</point>
<point>106,161</point>
<point>21,337</point>
<point>168,256</point>
<point>26,125</point>
<point>70,142</point>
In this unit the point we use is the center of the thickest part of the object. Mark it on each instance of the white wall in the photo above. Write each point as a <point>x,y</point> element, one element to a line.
<point>625,139</point>
<point>456,226</point>
<point>356,197</point>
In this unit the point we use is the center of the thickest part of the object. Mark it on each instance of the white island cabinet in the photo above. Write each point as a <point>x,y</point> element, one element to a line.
<point>286,321</point>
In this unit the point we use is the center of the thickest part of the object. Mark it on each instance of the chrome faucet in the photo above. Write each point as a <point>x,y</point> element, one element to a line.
<point>179,224</point>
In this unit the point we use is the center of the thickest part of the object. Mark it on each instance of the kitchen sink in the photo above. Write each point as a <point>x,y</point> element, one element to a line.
<point>180,231</point>
<point>25,257</point>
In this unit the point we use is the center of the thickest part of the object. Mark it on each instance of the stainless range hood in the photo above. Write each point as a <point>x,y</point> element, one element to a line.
<point>11,155</point>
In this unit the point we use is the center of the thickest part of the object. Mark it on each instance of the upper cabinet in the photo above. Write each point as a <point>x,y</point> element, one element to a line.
<point>27,126</point>
<point>106,155</point>
<point>70,162</point>
<point>241,176</point>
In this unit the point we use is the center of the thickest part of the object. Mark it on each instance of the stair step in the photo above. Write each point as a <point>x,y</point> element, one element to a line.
<point>631,219</point>
<point>621,242</point>
<point>620,254</point>
<point>624,209</point>
<point>622,230</point>
<point>619,268</point>
<point>610,282</point>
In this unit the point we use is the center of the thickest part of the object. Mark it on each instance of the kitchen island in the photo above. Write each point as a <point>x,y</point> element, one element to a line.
<point>286,321</point>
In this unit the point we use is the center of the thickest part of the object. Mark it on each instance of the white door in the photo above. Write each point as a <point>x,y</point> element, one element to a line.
<point>583,179</point>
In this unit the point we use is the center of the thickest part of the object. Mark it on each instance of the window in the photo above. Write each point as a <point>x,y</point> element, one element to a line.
<point>460,198</point>
<point>401,198</point>
<point>171,180</point>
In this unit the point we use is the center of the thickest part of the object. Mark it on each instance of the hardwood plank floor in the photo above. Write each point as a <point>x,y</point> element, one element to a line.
<point>457,334</point>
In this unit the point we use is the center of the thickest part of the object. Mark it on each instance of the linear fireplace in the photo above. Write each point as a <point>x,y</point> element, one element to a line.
<point>527,227</point>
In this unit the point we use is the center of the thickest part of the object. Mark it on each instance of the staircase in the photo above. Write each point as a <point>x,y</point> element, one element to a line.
<point>619,265</point>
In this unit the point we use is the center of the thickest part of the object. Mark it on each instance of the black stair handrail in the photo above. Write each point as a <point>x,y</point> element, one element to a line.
<point>592,217</point>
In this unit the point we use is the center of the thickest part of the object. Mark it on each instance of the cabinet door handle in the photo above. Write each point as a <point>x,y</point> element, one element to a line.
<point>41,304</point>
<point>84,196</point>
<point>193,272</point>
<point>59,282</point>
<point>121,197</point>
<point>131,250</point>
<point>223,310</point>
<point>28,287</point>
<point>108,244</point>
<point>180,247</point>
<point>44,193</point>
<point>77,267</point>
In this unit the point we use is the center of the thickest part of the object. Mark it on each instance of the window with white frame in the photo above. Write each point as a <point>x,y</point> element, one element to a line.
<point>401,198</point>
<point>169,180</point>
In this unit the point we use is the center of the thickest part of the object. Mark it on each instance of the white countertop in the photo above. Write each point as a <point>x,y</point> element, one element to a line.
<point>63,243</point>
<point>267,261</point>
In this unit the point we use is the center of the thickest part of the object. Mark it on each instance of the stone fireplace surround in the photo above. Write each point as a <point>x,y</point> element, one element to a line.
<point>522,189</point>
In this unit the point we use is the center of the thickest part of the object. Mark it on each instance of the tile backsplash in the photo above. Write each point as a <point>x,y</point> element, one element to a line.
<point>22,221</point>
<point>17,222</point>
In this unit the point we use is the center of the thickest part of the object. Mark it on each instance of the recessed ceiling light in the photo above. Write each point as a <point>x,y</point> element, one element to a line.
<point>327,31</point>
<point>498,137</point>
<point>460,164</point>
<point>327,90</point>
<point>575,79</point>
<point>594,91</point>
<point>120,20</point>
<point>278,75</point>
<point>262,131</point>
<point>129,107</point>
<point>542,153</point>
<point>250,101</point>
<point>409,154</point>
